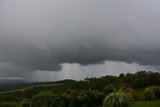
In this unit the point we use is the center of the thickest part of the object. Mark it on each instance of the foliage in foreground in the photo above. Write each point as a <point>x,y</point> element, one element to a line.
<point>9,104</point>
<point>148,94</point>
<point>44,99</point>
<point>118,99</point>
<point>151,93</point>
<point>72,98</point>
<point>144,103</point>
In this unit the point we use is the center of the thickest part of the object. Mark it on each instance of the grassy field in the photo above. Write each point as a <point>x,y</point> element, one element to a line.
<point>145,104</point>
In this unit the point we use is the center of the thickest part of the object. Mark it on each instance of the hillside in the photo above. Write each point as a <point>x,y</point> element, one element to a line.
<point>93,88</point>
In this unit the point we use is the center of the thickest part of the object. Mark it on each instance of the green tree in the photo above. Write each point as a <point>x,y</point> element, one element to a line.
<point>44,99</point>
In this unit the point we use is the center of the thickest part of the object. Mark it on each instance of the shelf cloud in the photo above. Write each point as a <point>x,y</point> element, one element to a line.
<point>42,35</point>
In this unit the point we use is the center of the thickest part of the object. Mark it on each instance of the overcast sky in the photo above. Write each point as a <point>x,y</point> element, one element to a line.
<point>45,40</point>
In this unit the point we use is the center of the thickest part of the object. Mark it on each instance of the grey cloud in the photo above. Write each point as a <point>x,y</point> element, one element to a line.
<point>42,35</point>
<point>78,72</point>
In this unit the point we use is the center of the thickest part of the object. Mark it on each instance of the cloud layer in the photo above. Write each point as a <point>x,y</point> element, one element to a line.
<point>43,35</point>
<point>78,72</point>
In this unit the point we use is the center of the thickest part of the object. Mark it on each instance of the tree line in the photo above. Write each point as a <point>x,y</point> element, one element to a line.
<point>91,92</point>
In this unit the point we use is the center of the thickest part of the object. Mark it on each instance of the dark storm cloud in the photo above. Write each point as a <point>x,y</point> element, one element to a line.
<point>43,34</point>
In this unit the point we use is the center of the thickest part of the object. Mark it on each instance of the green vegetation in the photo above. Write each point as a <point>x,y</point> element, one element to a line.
<point>116,99</point>
<point>44,99</point>
<point>144,104</point>
<point>92,92</point>
<point>148,94</point>
<point>9,104</point>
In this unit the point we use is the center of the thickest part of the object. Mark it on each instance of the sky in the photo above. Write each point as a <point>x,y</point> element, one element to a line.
<point>49,40</point>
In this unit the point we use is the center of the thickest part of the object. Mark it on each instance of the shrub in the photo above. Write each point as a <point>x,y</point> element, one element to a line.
<point>132,95</point>
<point>148,94</point>
<point>25,103</point>
<point>108,89</point>
<point>9,104</point>
<point>44,99</point>
<point>98,98</point>
<point>118,99</point>
<point>76,99</point>
<point>156,90</point>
